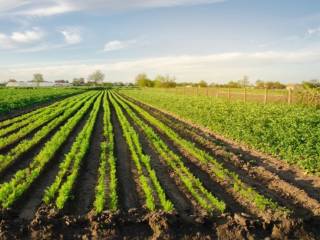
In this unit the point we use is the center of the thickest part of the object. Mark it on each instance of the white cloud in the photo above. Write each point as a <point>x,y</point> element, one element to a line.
<point>43,11</point>
<point>16,39</point>
<point>6,5</point>
<point>55,7</point>
<point>27,36</point>
<point>313,31</point>
<point>71,35</point>
<point>281,66</point>
<point>117,45</point>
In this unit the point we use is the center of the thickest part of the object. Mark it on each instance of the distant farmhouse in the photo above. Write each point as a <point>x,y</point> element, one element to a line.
<point>30,84</point>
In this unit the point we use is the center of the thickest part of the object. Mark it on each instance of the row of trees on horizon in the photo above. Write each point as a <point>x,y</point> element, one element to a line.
<point>142,80</point>
<point>166,81</point>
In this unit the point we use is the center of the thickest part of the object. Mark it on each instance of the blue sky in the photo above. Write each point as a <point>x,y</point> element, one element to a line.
<point>214,40</point>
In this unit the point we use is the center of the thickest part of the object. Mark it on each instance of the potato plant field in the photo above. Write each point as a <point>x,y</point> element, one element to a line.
<point>110,164</point>
<point>288,132</point>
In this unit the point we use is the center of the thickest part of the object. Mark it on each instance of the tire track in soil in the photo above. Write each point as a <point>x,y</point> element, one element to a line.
<point>203,176</point>
<point>84,189</point>
<point>259,181</point>
<point>181,203</point>
<point>290,174</point>
<point>31,200</point>
<point>127,191</point>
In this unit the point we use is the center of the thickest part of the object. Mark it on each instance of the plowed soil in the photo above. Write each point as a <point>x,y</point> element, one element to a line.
<point>290,187</point>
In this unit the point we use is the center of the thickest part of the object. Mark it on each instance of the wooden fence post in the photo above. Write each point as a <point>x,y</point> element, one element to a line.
<point>217,92</point>
<point>207,91</point>
<point>245,94</point>
<point>289,96</point>
<point>265,96</point>
<point>229,95</point>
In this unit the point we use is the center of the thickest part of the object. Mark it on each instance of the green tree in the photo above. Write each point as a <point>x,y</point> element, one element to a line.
<point>270,85</point>
<point>312,84</point>
<point>142,80</point>
<point>203,83</point>
<point>165,81</point>
<point>233,84</point>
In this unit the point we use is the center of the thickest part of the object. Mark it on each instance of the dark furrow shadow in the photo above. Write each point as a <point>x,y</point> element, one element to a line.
<point>181,203</point>
<point>84,189</point>
<point>28,136</point>
<point>282,199</point>
<point>24,160</point>
<point>288,175</point>
<point>28,109</point>
<point>203,176</point>
<point>27,205</point>
<point>127,191</point>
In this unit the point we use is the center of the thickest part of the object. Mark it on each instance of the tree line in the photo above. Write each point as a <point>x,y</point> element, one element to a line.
<point>142,80</point>
<point>166,81</point>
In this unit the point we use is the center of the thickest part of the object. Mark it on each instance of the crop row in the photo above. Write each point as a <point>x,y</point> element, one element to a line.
<point>22,117</point>
<point>215,167</point>
<point>12,99</point>
<point>145,172</point>
<point>60,190</point>
<point>37,121</point>
<point>289,132</point>
<point>107,163</point>
<point>202,196</point>
<point>12,190</point>
<point>21,121</point>
<point>23,146</point>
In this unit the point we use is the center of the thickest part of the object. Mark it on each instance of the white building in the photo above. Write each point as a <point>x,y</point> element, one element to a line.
<point>34,84</point>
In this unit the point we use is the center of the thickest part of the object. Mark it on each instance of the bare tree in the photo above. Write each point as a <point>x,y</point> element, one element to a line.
<point>38,78</point>
<point>97,77</point>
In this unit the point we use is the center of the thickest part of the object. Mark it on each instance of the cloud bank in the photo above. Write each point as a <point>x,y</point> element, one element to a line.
<point>212,68</point>
<point>55,7</point>
<point>17,39</point>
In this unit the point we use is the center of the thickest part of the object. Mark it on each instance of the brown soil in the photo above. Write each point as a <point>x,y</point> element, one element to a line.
<point>29,219</point>
<point>183,205</point>
<point>27,205</point>
<point>24,160</point>
<point>287,195</point>
<point>128,195</point>
<point>85,185</point>
<point>250,172</point>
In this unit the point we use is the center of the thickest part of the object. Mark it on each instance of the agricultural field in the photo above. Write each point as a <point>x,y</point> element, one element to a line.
<point>130,164</point>
<point>290,132</point>
<point>14,99</point>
